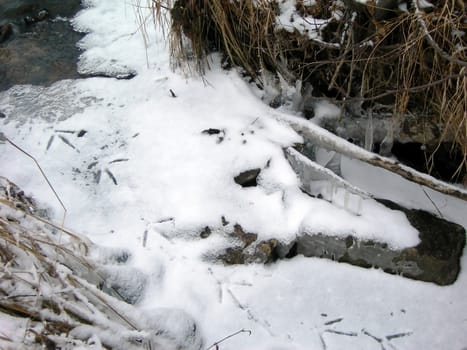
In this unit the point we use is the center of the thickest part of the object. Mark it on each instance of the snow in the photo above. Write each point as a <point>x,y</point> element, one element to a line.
<point>291,21</point>
<point>152,146</point>
<point>143,178</point>
<point>9,330</point>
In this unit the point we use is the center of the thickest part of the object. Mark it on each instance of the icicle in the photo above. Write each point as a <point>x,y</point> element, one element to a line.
<point>369,132</point>
<point>386,144</point>
<point>297,99</point>
<point>346,200</point>
<point>359,206</point>
<point>334,164</point>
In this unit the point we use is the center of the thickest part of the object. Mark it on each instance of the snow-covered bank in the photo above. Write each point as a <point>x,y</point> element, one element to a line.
<point>135,171</point>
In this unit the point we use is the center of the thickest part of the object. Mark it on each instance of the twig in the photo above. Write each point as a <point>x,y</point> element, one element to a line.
<point>432,202</point>
<point>333,321</point>
<point>4,138</point>
<point>111,176</point>
<point>145,238</point>
<point>398,335</point>
<point>379,340</point>
<point>348,334</point>
<point>215,345</point>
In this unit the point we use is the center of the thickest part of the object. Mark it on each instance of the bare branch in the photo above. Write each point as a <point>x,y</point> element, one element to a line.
<point>215,345</point>
<point>325,139</point>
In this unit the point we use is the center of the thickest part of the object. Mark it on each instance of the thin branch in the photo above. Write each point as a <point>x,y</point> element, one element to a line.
<point>215,345</point>
<point>325,139</point>
<point>432,202</point>
<point>4,138</point>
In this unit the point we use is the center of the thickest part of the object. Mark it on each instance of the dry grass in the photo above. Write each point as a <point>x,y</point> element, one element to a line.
<point>43,283</point>
<point>413,65</point>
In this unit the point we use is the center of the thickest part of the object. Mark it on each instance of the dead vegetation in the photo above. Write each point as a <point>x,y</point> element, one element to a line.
<point>50,291</point>
<point>409,65</point>
<point>41,288</point>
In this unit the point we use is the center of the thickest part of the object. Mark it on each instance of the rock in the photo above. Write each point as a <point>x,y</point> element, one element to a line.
<point>249,251</point>
<point>263,252</point>
<point>422,130</point>
<point>6,30</point>
<point>39,16</point>
<point>28,20</point>
<point>211,131</point>
<point>440,250</point>
<point>220,133</point>
<point>129,283</point>
<point>2,115</point>
<point>435,259</point>
<point>206,232</point>
<point>12,193</point>
<point>233,256</point>
<point>246,237</point>
<point>248,178</point>
<point>42,15</point>
<point>276,102</point>
<point>81,133</point>
<point>245,250</point>
<point>170,329</point>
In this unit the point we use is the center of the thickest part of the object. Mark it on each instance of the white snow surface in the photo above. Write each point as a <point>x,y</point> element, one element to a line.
<point>144,178</point>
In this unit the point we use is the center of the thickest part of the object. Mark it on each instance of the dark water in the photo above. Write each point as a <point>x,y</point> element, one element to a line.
<point>37,42</point>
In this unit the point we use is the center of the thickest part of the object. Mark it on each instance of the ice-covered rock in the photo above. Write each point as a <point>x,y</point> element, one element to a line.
<point>128,282</point>
<point>171,329</point>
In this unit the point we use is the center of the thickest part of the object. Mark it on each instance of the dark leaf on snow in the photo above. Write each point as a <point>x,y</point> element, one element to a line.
<point>211,131</point>
<point>248,178</point>
<point>81,133</point>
